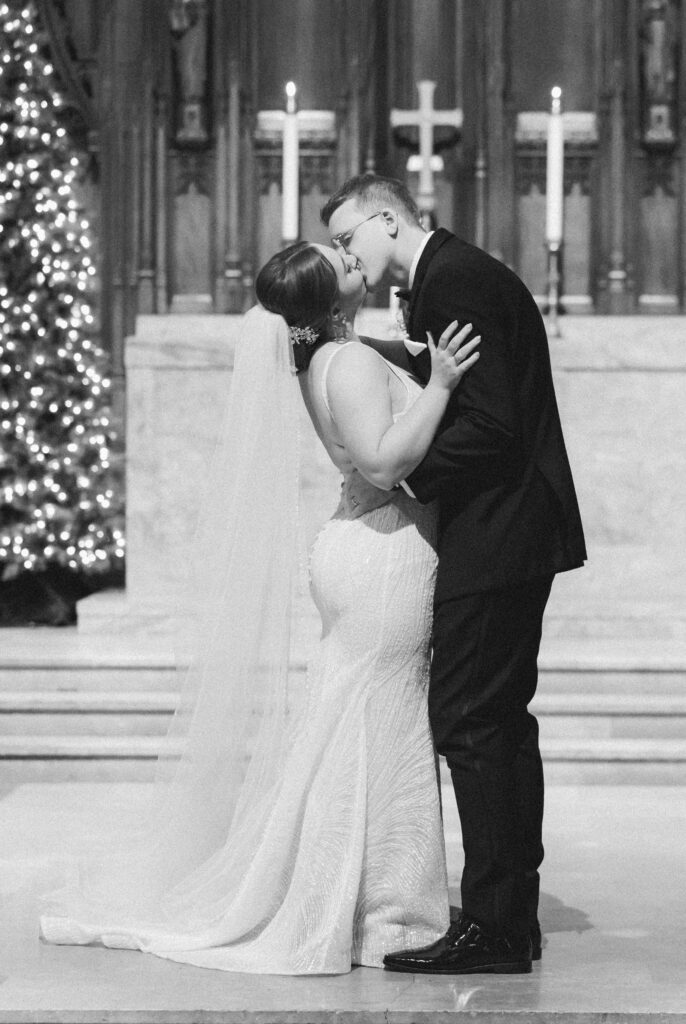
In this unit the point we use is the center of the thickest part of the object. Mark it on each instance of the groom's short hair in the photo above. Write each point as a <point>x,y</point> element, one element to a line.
<point>373,192</point>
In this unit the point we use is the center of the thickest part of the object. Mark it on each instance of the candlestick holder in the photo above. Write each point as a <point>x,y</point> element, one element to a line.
<point>554,278</point>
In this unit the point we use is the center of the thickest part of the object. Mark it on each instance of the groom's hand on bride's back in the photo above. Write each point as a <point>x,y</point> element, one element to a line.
<point>361,496</point>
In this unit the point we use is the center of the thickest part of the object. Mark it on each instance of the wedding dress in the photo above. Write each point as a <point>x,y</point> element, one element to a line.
<point>341,860</point>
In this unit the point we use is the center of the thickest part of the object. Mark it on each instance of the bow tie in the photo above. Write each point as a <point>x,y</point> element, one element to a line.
<point>403,294</point>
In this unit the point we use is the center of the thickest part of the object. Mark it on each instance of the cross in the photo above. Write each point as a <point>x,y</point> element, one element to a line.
<point>426,119</point>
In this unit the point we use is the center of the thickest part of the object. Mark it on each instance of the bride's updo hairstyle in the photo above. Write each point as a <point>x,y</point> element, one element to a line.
<point>300,284</point>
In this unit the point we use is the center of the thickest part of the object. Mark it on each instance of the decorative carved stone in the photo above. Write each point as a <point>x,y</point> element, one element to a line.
<point>188,20</point>
<point>192,170</point>
<point>317,137</point>
<point>658,174</point>
<point>659,39</point>
<point>269,169</point>
<point>444,138</point>
<point>581,141</point>
<point>530,169</point>
<point>578,170</point>
<point>580,127</point>
<point>317,167</point>
<point>316,127</point>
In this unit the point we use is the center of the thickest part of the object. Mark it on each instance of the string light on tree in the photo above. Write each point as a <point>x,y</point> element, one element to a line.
<point>57,498</point>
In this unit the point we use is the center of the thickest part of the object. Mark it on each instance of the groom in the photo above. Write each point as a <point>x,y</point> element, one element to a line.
<point>509,521</point>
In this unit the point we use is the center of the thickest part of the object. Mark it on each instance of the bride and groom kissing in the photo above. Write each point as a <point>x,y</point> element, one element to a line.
<point>432,577</point>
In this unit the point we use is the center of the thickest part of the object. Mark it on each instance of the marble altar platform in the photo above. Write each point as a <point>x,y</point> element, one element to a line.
<point>620,385</point>
<point>613,913</point>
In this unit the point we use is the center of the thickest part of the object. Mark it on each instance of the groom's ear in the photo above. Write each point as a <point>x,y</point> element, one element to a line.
<point>390,218</point>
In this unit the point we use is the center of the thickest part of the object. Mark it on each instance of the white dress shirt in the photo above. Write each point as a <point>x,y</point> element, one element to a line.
<point>415,347</point>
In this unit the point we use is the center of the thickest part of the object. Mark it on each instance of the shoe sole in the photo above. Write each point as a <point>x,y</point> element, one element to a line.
<point>522,967</point>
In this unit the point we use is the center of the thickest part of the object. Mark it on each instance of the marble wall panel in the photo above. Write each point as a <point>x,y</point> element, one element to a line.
<point>621,385</point>
<point>179,376</point>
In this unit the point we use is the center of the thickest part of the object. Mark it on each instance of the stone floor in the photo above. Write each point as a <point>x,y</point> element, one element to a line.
<point>613,914</point>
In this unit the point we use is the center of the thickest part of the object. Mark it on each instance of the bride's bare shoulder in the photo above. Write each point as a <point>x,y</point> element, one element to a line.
<point>341,363</point>
<point>354,359</point>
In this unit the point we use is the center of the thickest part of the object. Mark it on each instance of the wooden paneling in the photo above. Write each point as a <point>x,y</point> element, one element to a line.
<point>164,231</point>
<point>659,233</point>
<point>552,42</point>
<point>299,40</point>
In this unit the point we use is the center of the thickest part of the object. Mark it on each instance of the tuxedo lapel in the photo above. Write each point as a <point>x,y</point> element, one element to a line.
<point>421,365</point>
<point>422,362</point>
<point>437,240</point>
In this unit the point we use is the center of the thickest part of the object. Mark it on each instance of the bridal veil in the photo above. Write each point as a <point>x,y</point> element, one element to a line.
<point>226,748</point>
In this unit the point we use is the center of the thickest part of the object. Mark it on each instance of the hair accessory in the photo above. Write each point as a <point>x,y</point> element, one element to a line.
<point>303,335</point>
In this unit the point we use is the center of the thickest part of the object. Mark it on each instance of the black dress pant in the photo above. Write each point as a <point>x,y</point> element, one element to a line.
<point>483,675</point>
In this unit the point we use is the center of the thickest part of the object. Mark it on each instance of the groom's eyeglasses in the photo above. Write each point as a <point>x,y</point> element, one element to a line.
<point>344,238</point>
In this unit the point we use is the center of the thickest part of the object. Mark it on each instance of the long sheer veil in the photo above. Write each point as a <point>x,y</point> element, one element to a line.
<point>225,751</point>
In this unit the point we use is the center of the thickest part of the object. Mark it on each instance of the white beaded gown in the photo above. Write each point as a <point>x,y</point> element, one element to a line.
<point>350,864</point>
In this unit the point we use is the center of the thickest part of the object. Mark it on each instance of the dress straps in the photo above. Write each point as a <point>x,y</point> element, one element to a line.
<point>325,373</point>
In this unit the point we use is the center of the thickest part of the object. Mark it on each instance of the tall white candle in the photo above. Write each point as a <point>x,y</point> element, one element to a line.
<point>291,164</point>
<point>554,187</point>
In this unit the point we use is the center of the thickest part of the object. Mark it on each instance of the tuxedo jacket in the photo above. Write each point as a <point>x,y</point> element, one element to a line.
<point>498,465</point>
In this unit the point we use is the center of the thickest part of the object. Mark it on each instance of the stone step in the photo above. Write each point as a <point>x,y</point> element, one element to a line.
<point>49,712</point>
<point>148,675</point>
<point>611,715</point>
<point>80,678</point>
<point>620,682</point>
<point>154,702</point>
<point>73,671</point>
<point>66,661</point>
<point>145,748</point>
<point>601,704</point>
<point>76,747</point>
<point>570,715</point>
<point>580,727</point>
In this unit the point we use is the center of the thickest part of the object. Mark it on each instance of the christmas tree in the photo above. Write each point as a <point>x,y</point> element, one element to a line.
<point>59,499</point>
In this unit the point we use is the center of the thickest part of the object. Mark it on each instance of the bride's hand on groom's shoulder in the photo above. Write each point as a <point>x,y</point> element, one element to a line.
<point>361,496</point>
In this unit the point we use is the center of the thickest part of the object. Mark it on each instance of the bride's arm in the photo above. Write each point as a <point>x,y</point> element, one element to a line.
<point>382,450</point>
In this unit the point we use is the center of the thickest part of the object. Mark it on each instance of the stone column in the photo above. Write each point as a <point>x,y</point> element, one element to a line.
<point>161,214</point>
<point>682,135</point>
<point>221,106</point>
<point>499,153</point>
<point>614,285</point>
<point>471,209</point>
<point>146,266</point>
<point>233,283</point>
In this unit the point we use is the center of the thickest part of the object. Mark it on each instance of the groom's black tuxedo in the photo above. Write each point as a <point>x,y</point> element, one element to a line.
<point>509,521</point>
<point>499,466</point>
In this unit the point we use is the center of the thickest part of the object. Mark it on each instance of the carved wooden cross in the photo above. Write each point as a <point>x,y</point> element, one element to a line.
<point>426,119</point>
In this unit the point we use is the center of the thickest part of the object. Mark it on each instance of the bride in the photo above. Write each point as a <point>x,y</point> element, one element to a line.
<point>297,834</point>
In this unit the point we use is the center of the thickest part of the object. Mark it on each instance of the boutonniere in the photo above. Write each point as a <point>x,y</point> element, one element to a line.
<point>402,317</point>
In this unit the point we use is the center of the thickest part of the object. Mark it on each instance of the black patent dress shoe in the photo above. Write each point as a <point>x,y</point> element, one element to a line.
<point>536,942</point>
<point>465,949</point>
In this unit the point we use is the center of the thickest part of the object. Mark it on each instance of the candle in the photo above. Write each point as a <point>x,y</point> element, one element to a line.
<point>554,187</point>
<point>291,160</point>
